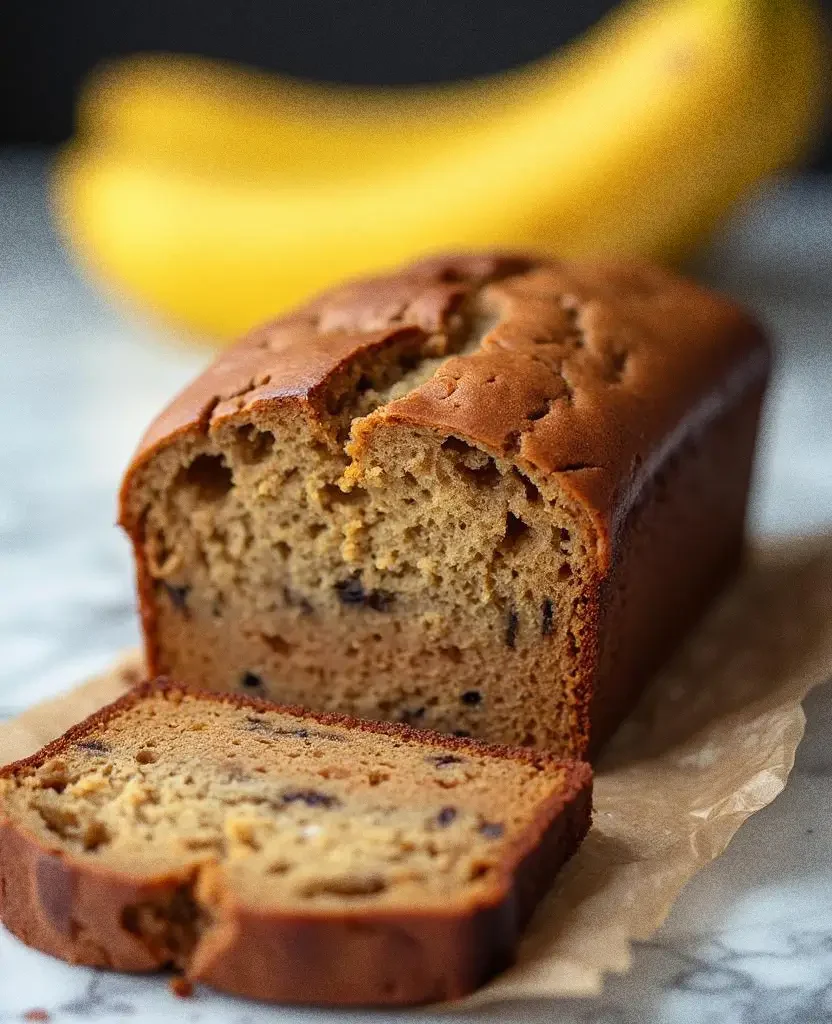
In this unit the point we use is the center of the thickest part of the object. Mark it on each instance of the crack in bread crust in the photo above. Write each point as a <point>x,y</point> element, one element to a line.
<point>362,506</point>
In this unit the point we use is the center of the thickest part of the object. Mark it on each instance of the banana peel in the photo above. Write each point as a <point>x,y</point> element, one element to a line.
<point>633,144</point>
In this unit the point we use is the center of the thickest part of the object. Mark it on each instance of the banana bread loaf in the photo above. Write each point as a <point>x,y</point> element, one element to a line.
<point>484,495</point>
<point>281,855</point>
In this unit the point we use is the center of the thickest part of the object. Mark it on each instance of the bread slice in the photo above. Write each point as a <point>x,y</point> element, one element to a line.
<point>484,495</point>
<point>282,855</point>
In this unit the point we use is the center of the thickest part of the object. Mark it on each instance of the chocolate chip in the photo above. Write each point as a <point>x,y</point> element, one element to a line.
<point>411,715</point>
<point>310,797</point>
<point>178,595</point>
<point>93,746</point>
<point>441,760</point>
<point>445,816</point>
<point>512,623</point>
<point>260,725</point>
<point>462,733</point>
<point>304,734</point>
<point>546,617</point>
<point>492,829</point>
<point>380,600</point>
<point>351,592</point>
<point>251,681</point>
<point>471,697</point>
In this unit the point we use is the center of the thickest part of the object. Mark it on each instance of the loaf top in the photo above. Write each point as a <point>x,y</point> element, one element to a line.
<point>311,812</point>
<point>592,372</point>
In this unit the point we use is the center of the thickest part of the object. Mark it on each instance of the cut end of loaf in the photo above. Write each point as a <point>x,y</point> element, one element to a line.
<point>413,499</point>
<point>407,582</point>
<point>344,561</point>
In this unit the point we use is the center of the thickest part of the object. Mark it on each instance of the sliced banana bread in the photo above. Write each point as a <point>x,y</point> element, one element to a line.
<point>484,495</point>
<point>282,855</point>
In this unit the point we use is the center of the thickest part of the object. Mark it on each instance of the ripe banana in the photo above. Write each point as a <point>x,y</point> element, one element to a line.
<point>219,207</point>
<point>188,108</point>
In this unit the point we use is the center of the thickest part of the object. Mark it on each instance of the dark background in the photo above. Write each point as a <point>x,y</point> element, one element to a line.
<point>47,46</point>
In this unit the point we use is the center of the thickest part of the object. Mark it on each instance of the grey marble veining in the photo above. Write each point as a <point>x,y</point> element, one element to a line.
<point>749,941</point>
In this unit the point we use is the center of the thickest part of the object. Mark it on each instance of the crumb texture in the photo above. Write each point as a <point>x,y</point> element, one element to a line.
<point>293,811</point>
<point>280,855</point>
<point>403,502</point>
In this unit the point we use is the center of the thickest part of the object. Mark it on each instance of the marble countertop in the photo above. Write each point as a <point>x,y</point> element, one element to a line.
<point>750,940</point>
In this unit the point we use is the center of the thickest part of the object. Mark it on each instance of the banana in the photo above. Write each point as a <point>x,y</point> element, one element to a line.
<point>645,135</point>
<point>783,122</point>
<point>186,109</point>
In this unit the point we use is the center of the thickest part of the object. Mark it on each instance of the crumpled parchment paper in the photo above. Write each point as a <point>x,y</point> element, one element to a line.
<point>712,741</point>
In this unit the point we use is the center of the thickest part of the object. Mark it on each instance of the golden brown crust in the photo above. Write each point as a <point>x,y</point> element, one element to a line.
<point>593,376</point>
<point>293,358</point>
<point>591,372</point>
<point>79,911</point>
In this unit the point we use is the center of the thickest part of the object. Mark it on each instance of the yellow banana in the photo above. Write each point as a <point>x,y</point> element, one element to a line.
<point>644,137</point>
<point>205,114</point>
<point>782,123</point>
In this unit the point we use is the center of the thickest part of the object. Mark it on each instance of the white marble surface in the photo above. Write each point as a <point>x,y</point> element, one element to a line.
<point>750,940</point>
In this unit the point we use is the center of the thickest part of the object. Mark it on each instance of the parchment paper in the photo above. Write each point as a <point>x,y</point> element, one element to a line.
<point>712,741</point>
